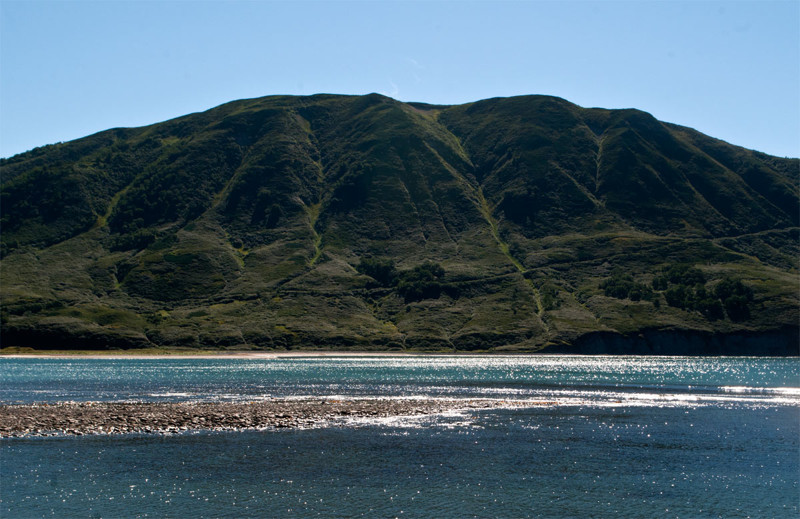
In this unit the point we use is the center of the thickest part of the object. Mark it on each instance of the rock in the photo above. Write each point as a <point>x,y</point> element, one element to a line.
<point>148,417</point>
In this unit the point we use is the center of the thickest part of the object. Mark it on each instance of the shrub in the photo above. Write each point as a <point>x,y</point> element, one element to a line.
<point>728,287</point>
<point>735,297</point>
<point>685,287</point>
<point>421,282</point>
<point>622,286</point>
<point>676,296</point>
<point>684,275</point>
<point>138,240</point>
<point>640,292</point>
<point>549,296</point>
<point>737,308</point>
<point>381,270</point>
<point>710,308</point>
<point>729,296</point>
<point>660,283</point>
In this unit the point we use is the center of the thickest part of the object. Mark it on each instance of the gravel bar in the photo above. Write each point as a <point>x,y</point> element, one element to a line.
<point>82,418</point>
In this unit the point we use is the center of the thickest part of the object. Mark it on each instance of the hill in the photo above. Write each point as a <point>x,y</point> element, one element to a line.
<point>513,224</point>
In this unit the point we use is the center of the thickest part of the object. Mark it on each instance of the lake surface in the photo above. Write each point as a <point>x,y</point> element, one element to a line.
<point>626,437</point>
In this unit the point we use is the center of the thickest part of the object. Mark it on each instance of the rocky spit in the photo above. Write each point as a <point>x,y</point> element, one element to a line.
<point>82,418</point>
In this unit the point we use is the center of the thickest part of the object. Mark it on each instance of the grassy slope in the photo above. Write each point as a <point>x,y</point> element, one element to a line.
<point>242,226</point>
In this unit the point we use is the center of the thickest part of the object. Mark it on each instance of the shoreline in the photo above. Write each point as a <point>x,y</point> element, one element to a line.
<point>353,354</point>
<point>111,418</point>
<point>222,355</point>
<point>783,341</point>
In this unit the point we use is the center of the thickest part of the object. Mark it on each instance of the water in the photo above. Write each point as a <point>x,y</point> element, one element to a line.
<point>630,437</point>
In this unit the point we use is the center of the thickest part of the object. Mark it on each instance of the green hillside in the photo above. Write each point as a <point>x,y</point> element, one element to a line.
<point>513,224</point>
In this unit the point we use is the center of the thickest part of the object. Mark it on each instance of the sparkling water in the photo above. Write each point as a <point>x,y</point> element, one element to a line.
<point>616,437</point>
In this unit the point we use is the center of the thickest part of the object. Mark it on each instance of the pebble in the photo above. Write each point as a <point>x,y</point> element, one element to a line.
<point>82,418</point>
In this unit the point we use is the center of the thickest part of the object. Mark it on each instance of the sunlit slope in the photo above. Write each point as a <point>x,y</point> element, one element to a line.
<point>506,223</point>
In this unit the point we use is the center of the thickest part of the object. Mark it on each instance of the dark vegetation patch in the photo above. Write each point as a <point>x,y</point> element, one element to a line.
<point>425,281</point>
<point>685,287</point>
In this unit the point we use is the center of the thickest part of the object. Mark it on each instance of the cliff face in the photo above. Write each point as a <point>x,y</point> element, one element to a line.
<point>362,222</point>
<point>781,342</point>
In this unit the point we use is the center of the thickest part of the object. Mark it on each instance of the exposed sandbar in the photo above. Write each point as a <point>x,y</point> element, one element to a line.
<point>80,418</point>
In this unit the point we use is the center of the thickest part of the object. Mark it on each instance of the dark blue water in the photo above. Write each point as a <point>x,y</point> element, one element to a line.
<point>692,438</point>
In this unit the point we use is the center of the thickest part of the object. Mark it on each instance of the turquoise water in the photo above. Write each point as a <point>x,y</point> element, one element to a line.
<point>630,437</point>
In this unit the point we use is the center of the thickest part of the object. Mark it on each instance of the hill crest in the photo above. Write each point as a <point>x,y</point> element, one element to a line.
<point>254,224</point>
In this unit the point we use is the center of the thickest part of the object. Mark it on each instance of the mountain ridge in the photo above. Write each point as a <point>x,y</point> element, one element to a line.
<point>252,224</point>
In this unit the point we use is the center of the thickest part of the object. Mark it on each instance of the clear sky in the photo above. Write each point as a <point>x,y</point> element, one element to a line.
<point>730,69</point>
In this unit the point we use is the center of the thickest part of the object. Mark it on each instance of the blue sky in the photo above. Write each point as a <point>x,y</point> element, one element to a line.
<point>728,69</point>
